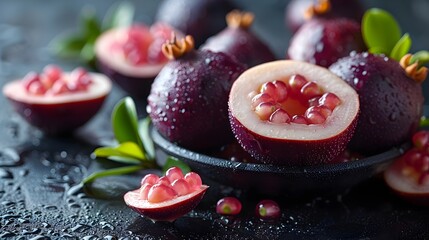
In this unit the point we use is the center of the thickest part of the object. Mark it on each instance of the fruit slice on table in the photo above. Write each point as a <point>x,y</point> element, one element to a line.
<point>166,198</point>
<point>188,102</point>
<point>237,40</point>
<point>58,102</point>
<point>132,55</point>
<point>409,175</point>
<point>292,113</point>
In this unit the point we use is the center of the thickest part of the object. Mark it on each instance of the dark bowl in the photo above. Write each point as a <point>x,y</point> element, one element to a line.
<point>279,180</point>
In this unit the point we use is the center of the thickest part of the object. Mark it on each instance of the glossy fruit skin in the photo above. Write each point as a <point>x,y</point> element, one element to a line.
<point>324,41</point>
<point>295,11</point>
<point>290,148</point>
<point>391,102</point>
<point>198,18</point>
<point>59,118</point>
<point>271,210</point>
<point>228,206</point>
<point>242,44</point>
<point>188,103</point>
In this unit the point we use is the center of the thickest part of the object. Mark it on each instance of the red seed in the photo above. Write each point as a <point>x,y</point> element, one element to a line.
<point>181,187</point>
<point>299,119</point>
<point>268,210</point>
<point>296,82</point>
<point>280,116</point>
<point>149,178</point>
<point>281,91</point>
<point>411,157</point>
<point>160,193</point>
<point>324,111</point>
<point>424,179</point>
<point>228,206</point>
<point>36,88</point>
<point>313,102</point>
<point>59,87</point>
<point>265,109</point>
<point>311,90</point>
<point>144,190</point>
<point>194,180</point>
<point>329,100</point>
<point>422,164</point>
<point>315,118</point>
<point>174,173</point>
<point>270,89</point>
<point>164,180</point>
<point>52,72</point>
<point>259,98</point>
<point>421,139</point>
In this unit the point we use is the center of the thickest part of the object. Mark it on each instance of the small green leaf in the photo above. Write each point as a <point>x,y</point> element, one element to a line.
<point>424,122</point>
<point>124,160</point>
<point>175,162</point>
<point>380,30</point>
<point>125,123</point>
<point>119,15</point>
<point>144,128</point>
<point>401,48</point>
<point>91,26</point>
<point>126,149</point>
<point>421,56</point>
<point>111,172</point>
<point>67,46</point>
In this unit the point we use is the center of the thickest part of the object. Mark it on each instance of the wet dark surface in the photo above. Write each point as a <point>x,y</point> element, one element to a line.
<point>38,173</point>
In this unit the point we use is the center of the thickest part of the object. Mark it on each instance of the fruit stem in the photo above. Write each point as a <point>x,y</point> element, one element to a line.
<point>413,70</point>
<point>174,49</point>
<point>239,19</point>
<point>317,9</point>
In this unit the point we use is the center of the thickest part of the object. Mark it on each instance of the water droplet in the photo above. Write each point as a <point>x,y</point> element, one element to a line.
<point>9,158</point>
<point>5,174</point>
<point>207,61</point>
<point>79,228</point>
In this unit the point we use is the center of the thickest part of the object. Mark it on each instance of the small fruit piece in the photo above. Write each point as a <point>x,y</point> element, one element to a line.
<point>237,40</point>
<point>324,41</point>
<point>57,102</point>
<point>162,201</point>
<point>391,102</point>
<point>293,131</point>
<point>188,103</point>
<point>198,18</point>
<point>132,56</point>
<point>268,210</point>
<point>228,206</point>
<point>408,176</point>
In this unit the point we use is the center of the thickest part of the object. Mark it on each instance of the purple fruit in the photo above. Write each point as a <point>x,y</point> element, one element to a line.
<point>300,11</point>
<point>188,102</point>
<point>391,102</point>
<point>237,40</point>
<point>324,41</point>
<point>198,18</point>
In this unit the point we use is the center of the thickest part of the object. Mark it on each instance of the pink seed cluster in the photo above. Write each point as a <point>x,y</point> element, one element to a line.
<point>157,189</point>
<point>53,81</point>
<point>417,158</point>
<point>269,103</point>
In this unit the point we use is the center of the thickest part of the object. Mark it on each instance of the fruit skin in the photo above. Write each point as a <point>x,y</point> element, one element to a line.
<point>199,18</point>
<point>391,103</point>
<point>295,150</point>
<point>228,206</point>
<point>295,11</point>
<point>57,115</point>
<point>188,103</point>
<point>164,211</point>
<point>242,44</point>
<point>324,41</point>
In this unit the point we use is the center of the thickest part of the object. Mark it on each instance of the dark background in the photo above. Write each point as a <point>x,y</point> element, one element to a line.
<point>37,172</point>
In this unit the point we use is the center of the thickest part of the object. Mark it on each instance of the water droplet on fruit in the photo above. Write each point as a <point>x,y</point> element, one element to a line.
<point>27,112</point>
<point>207,61</point>
<point>9,158</point>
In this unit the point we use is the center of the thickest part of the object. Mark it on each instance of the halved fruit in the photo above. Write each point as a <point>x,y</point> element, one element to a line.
<point>58,102</point>
<point>166,198</point>
<point>292,113</point>
<point>132,55</point>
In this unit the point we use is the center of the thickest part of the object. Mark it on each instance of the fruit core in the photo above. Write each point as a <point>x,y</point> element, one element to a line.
<point>293,100</point>
<point>174,184</point>
<point>175,48</point>
<point>53,81</point>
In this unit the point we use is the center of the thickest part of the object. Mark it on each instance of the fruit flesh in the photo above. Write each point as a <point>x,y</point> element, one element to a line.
<point>304,144</point>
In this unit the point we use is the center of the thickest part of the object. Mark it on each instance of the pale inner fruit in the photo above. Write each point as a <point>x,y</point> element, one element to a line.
<point>293,100</point>
<point>156,189</point>
<point>416,167</point>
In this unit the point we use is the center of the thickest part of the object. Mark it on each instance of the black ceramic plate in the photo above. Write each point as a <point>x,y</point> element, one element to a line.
<point>289,181</point>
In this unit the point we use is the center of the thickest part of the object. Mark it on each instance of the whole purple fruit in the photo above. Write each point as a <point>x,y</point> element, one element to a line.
<point>391,102</point>
<point>198,18</point>
<point>324,41</point>
<point>237,40</point>
<point>188,102</point>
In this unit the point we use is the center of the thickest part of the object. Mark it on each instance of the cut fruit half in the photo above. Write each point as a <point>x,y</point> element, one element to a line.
<point>307,118</point>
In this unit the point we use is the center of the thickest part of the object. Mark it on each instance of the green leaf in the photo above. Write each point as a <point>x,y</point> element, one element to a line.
<point>401,48</point>
<point>67,46</point>
<point>421,56</point>
<point>126,149</point>
<point>119,15</point>
<point>111,172</point>
<point>380,30</point>
<point>91,26</point>
<point>175,162</point>
<point>424,122</point>
<point>144,130</point>
<point>124,160</point>
<point>125,123</point>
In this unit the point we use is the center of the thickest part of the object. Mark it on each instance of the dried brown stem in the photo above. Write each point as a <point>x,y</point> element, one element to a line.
<point>413,70</point>
<point>319,8</point>
<point>238,19</point>
<point>175,49</point>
